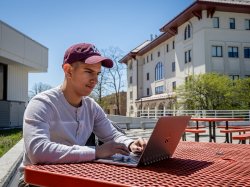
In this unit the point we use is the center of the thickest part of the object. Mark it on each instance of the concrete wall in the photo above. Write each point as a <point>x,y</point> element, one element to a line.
<point>135,122</point>
<point>15,47</point>
<point>21,55</point>
<point>17,82</point>
<point>11,114</point>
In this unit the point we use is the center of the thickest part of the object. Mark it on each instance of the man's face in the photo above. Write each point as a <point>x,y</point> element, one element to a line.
<point>84,77</point>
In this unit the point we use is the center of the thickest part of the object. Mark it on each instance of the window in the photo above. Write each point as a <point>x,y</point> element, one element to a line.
<point>234,77</point>
<point>167,48</point>
<point>173,44</point>
<point>3,82</point>
<point>159,71</point>
<point>247,24</point>
<point>131,109</point>
<point>187,32</point>
<point>188,56</point>
<point>216,51</point>
<point>151,56</point>
<point>173,85</point>
<point>147,59</point>
<point>147,76</point>
<point>148,92</point>
<point>233,52</point>
<point>159,54</point>
<point>130,65</point>
<point>159,90</point>
<point>173,66</point>
<point>232,23</point>
<point>247,52</point>
<point>130,80</point>
<point>131,95</point>
<point>216,22</point>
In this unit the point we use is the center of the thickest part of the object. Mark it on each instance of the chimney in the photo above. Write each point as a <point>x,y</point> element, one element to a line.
<point>151,37</point>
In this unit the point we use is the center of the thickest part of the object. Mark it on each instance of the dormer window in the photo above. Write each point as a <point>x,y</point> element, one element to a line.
<point>187,32</point>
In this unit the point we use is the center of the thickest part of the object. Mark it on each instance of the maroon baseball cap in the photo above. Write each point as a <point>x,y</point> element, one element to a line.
<point>86,53</point>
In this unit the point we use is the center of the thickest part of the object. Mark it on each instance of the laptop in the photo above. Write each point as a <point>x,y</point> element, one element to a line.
<point>161,144</point>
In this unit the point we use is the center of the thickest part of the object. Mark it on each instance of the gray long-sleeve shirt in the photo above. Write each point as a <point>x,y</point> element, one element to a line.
<point>56,132</point>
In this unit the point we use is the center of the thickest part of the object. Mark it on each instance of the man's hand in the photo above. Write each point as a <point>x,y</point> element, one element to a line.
<point>138,145</point>
<point>110,148</point>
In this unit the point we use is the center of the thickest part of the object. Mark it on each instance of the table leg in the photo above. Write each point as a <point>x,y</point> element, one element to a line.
<point>210,131</point>
<point>231,137</point>
<point>227,135</point>
<point>214,131</point>
<point>184,137</point>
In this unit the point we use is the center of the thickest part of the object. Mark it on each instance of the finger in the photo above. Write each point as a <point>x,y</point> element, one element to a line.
<point>123,152</point>
<point>138,149</point>
<point>142,142</point>
<point>122,147</point>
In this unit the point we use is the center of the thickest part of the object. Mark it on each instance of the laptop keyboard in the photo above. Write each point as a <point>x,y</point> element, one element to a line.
<point>123,158</point>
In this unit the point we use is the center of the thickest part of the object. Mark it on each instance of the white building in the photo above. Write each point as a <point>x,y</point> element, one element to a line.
<point>208,36</point>
<point>19,55</point>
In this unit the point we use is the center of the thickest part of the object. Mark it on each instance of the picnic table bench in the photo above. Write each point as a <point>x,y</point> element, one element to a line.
<point>231,131</point>
<point>233,126</point>
<point>195,131</point>
<point>242,137</point>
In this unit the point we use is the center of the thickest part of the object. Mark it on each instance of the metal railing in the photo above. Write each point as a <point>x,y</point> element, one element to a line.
<point>195,113</point>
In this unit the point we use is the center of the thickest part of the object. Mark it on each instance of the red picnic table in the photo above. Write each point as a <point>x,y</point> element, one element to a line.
<point>212,125</point>
<point>193,164</point>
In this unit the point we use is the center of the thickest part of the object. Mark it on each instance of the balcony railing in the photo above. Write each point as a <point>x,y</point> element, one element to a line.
<point>195,113</point>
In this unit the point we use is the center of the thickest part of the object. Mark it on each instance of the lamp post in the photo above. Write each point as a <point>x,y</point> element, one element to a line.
<point>141,106</point>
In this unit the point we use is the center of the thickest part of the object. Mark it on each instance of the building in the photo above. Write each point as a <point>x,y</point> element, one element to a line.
<point>110,106</point>
<point>19,55</point>
<point>208,36</point>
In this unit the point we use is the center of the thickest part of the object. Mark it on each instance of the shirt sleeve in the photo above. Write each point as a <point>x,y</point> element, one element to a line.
<point>38,146</point>
<point>104,129</point>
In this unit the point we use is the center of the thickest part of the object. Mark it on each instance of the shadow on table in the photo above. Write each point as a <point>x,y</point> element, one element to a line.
<point>177,166</point>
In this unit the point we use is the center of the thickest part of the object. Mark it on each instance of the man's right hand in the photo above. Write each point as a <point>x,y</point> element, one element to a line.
<point>110,148</point>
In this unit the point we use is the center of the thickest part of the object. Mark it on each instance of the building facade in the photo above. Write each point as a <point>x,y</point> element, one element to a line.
<point>208,36</point>
<point>110,107</point>
<point>19,55</point>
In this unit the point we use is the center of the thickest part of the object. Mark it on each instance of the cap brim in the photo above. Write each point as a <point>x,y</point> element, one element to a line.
<point>106,62</point>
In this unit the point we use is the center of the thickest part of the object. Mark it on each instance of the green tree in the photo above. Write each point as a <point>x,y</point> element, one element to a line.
<point>209,91</point>
<point>241,94</point>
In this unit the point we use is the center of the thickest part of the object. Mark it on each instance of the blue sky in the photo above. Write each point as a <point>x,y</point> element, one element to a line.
<point>57,24</point>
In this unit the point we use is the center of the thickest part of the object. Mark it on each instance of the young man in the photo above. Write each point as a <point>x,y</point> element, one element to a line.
<point>58,122</point>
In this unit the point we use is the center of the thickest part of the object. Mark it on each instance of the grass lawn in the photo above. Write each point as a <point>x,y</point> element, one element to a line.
<point>8,138</point>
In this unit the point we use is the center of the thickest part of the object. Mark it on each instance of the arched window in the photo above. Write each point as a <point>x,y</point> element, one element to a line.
<point>158,71</point>
<point>187,32</point>
<point>131,109</point>
<point>160,110</point>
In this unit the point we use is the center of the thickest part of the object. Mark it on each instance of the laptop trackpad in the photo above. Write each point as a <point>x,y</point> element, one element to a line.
<point>131,160</point>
